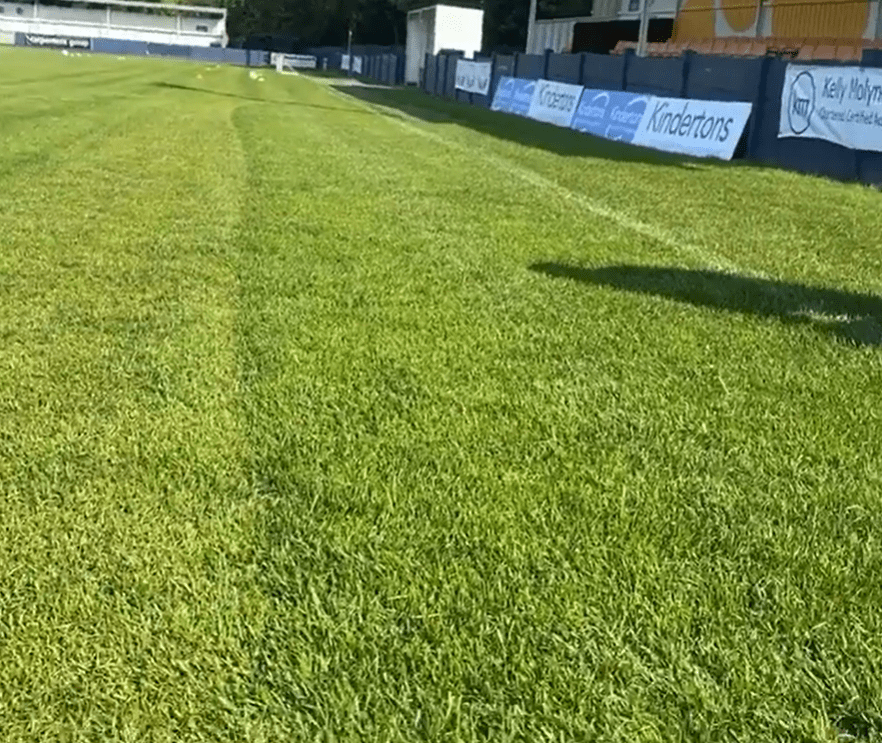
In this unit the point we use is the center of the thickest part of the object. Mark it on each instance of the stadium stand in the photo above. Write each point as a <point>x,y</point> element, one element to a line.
<point>808,49</point>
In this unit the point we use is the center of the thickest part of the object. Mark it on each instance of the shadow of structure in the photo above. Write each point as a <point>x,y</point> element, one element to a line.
<point>854,318</point>
<point>566,142</point>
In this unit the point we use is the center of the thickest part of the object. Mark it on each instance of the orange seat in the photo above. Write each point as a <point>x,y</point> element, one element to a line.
<point>756,49</point>
<point>704,46</point>
<point>739,47</point>
<point>825,51</point>
<point>806,53</point>
<point>718,46</point>
<point>848,52</point>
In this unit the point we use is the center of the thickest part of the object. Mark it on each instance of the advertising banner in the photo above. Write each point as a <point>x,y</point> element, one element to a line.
<point>554,103</point>
<point>610,114</point>
<point>692,127</point>
<point>473,77</point>
<point>838,104</point>
<point>513,95</point>
<point>7,37</point>
<point>355,61</point>
<point>56,42</point>
<point>689,127</point>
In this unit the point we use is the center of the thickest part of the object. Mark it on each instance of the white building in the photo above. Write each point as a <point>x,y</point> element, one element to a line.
<point>130,20</point>
<point>435,27</point>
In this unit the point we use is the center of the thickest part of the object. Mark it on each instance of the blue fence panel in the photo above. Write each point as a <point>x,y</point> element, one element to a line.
<point>565,68</point>
<point>429,71</point>
<point>208,54</point>
<point>391,68</point>
<point>503,66</point>
<point>530,66</point>
<point>119,46</point>
<point>603,71</point>
<point>237,56</point>
<point>168,50</point>
<point>723,78</point>
<point>662,77</point>
<point>257,58</point>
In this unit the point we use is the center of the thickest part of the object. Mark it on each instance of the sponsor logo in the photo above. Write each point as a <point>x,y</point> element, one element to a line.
<point>684,124</point>
<point>596,107</point>
<point>801,105</point>
<point>513,95</point>
<point>473,77</point>
<point>556,99</point>
<point>63,42</point>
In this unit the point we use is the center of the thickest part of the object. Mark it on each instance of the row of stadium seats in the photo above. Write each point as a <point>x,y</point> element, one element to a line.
<point>801,49</point>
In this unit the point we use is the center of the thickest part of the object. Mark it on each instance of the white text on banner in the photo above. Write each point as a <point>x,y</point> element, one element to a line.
<point>473,77</point>
<point>554,103</point>
<point>839,104</point>
<point>693,127</point>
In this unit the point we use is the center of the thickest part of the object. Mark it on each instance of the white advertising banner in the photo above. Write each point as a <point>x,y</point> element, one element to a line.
<point>473,77</point>
<point>693,127</point>
<point>838,104</point>
<point>554,103</point>
<point>355,61</point>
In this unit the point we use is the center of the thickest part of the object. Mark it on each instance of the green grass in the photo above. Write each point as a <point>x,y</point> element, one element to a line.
<point>332,414</point>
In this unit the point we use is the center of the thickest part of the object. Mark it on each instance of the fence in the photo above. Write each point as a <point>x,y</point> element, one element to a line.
<point>125,47</point>
<point>384,64</point>
<point>758,81</point>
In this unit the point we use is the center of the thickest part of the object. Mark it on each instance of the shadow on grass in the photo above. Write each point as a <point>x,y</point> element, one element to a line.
<point>286,102</point>
<point>854,318</point>
<point>567,142</point>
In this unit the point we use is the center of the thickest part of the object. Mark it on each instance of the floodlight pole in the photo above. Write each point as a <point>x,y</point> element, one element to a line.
<point>531,26</point>
<point>644,28</point>
<point>349,49</point>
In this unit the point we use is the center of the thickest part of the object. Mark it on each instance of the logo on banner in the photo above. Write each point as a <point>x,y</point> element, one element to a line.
<point>513,95</point>
<point>802,103</point>
<point>473,77</point>
<point>625,119</point>
<point>611,114</point>
<point>60,42</point>
<point>555,103</point>
<point>693,127</point>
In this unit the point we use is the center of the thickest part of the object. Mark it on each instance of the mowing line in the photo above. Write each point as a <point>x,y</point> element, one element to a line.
<point>617,216</point>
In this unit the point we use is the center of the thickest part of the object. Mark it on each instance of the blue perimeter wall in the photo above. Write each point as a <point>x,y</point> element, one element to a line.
<point>124,47</point>
<point>758,80</point>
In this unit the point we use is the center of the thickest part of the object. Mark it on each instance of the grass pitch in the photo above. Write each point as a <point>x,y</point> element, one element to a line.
<point>339,414</point>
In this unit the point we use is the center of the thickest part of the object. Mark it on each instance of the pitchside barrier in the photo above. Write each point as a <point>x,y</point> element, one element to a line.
<point>822,119</point>
<point>383,64</point>
<point>125,47</point>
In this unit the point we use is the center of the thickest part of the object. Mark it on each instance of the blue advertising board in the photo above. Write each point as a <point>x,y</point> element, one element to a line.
<point>513,95</point>
<point>610,114</point>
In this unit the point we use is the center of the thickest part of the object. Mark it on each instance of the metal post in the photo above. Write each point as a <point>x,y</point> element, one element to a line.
<point>349,49</point>
<point>644,28</point>
<point>531,27</point>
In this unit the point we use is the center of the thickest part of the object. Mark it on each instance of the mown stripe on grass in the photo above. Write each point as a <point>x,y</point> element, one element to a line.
<point>126,595</point>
